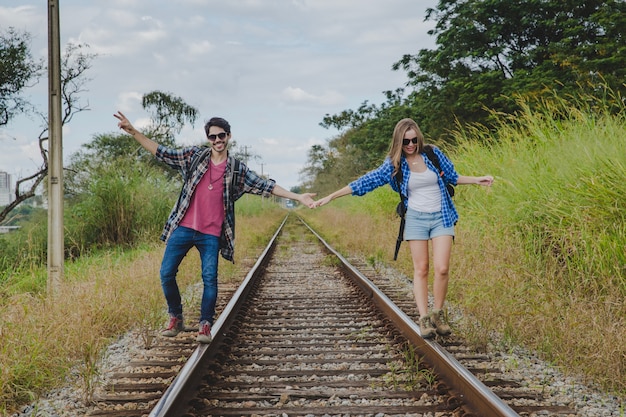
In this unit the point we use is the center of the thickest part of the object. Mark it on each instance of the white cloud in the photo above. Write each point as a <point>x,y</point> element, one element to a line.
<point>200,48</point>
<point>297,95</point>
<point>128,101</point>
<point>23,17</point>
<point>273,68</point>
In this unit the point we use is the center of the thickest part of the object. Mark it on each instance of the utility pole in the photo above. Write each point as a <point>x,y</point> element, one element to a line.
<point>55,153</point>
<point>245,154</point>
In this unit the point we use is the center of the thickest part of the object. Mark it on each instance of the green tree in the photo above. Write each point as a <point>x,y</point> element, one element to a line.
<point>366,132</point>
<point>169,115</point>
<point>18,71</point>
<point>491,51</point>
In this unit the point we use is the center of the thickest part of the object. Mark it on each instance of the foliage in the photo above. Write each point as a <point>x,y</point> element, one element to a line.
<point>103,152</point>
<point>25,249</point>
<point>18,70</point>
<point>22,214</point>
<point>119,206</point>
<point>116,207</point>
<point>490,52</point>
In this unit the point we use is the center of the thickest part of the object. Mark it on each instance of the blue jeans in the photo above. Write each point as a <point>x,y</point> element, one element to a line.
<point>178,244</point>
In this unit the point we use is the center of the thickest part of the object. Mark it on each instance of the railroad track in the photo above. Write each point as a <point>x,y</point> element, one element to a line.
<point>308,334</point>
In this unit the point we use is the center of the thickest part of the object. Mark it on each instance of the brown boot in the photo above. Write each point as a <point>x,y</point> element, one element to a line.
<point>439,321</point>
<point>426,327</point>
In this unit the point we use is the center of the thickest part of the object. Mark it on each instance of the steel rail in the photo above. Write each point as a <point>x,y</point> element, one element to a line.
<point>458,378</point>
<point>187,377</point>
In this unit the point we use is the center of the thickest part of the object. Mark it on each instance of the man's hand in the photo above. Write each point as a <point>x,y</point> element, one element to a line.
<point>307,199</point>
<point>150,145</point>
<point>124,124</point>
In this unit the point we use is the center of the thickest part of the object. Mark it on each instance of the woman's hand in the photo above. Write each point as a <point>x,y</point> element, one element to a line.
<point>485,180</point>
<point>323,201</point>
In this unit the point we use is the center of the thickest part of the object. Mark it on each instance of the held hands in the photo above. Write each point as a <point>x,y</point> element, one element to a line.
<point>307,199</point>
<point>323,201</point>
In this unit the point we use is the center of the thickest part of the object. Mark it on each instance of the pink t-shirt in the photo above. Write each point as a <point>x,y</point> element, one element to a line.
<point>206,210</point>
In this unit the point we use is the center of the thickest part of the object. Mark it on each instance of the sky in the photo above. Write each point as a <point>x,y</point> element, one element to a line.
<point>272,68</point>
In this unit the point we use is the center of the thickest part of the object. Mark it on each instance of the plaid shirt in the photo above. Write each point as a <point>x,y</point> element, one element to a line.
<point>245,181</point>
<point>382,175</point>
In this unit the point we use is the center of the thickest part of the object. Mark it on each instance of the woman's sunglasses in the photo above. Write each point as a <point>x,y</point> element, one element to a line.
<point>407,141</point>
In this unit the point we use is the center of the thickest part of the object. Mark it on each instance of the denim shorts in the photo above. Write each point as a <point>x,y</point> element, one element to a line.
<point>425,226</point>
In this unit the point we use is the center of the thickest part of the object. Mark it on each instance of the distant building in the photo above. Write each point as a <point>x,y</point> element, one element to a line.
<point>6,196</point>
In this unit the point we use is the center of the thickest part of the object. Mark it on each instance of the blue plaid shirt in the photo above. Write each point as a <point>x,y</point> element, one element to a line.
<point>383,175</point>
<point>245,181</point>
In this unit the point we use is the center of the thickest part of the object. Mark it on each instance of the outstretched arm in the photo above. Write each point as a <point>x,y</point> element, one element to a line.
<point>150,145</point>
<point>485,180</point>
<point>306,198</point>
<point>339,193</point>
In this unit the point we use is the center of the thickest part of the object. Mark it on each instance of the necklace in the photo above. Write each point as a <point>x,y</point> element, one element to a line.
<point>211,182</point>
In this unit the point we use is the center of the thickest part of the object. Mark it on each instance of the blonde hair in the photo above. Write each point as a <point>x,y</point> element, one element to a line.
<point>395,150</point>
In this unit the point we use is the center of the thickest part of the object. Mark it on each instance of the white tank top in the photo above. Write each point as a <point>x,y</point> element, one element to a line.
<point>424,194</point>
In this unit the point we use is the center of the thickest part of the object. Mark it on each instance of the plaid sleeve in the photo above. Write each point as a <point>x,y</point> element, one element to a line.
<point>250,182</point>
<point>373,179</point>
<point>255,184</point>
<point>175,158</point>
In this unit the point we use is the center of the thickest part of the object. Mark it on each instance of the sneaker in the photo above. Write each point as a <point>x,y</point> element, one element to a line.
<point>426,327</point>
<point>174,327</point>
<point>439,321</point>
<point>204,335</point>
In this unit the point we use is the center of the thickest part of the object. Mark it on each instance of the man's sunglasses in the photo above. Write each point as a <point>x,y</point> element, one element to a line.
<point>407,141</point>
<point>219,135</point>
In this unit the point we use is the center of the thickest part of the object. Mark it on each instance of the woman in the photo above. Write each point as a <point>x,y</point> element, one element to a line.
<point>430,215</point>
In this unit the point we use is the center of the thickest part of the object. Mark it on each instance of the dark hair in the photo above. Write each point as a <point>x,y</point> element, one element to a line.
<point>219,122</point>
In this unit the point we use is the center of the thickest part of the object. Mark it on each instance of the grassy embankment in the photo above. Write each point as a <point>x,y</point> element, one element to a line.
<point>102,297</point>
<point>539,258</point>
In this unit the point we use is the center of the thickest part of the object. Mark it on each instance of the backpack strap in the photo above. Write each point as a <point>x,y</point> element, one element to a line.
<point>236,168</point>
<point>198,157</point>
<point>401,211</point>
<point>432,156</point>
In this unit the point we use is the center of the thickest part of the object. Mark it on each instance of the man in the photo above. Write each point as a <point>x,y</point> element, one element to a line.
<point>204,215</point>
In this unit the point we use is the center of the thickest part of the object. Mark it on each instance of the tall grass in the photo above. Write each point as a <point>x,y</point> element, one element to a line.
<point>45,340</point>
<point>540,257</point>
